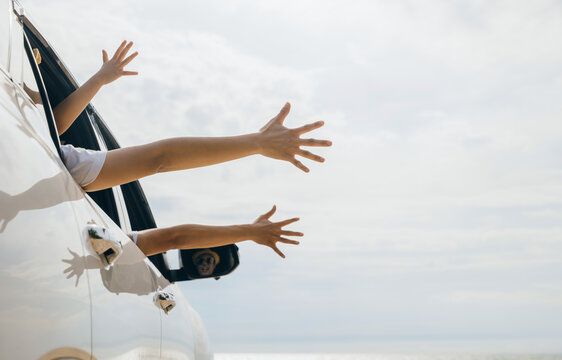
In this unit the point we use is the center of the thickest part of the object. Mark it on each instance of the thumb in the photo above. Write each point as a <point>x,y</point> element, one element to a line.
<point>104,56</point>
<point>283,113</point>
<point>268,214</point>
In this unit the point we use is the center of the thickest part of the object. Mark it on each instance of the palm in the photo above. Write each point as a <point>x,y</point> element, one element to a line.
<point>269,233</point>
<point>112,69</point>
<point>282,143</point>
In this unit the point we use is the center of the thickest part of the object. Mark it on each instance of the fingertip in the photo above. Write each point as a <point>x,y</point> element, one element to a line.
<point>286,108</point>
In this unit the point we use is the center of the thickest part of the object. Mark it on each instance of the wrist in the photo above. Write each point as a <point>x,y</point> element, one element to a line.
<point>246,232</point>
<point>98,80</point>
<point>256,142</point>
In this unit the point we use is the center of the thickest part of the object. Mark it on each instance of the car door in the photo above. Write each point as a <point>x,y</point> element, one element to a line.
<point>183,333</point>
<point>125,320</point>
<point>44,314</point>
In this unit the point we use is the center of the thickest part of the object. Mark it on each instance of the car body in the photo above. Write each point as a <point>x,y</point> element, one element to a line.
<point>59,300</point>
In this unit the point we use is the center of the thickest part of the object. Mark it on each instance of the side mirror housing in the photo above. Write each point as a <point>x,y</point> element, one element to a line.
<point>228,262</point>
<point>103,243</point>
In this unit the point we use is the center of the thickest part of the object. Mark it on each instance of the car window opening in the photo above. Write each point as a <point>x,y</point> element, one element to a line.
<point>59,84</point>
<point>81,133</point>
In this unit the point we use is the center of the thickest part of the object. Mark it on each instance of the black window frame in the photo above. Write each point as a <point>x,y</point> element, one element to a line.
<point>140,214</point>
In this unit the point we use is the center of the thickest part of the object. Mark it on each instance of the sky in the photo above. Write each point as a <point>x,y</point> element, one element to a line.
<point>434,224</point>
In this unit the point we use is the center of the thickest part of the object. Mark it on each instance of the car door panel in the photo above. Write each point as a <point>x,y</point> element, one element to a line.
<point>41,309</point>
<point>125,321</point>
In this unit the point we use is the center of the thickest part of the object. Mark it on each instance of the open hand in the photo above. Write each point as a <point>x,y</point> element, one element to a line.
<point>269,233</point>
<point>279,142</point>
<point>112,69</point>
<point>75,266</point>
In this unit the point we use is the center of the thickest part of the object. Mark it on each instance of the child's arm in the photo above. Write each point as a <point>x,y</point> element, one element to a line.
<point>262,231</point>
<point>68,110</point>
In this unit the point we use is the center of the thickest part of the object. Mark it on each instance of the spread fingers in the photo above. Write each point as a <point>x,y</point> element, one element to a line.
<point>299,165</point>
<point>124,52</point>
<point>278,251</point>
<point>309,127</point>
<point>314,142</point>
<point>119,49</point>
<point>287,222</point>
<point>287,241</point>
<point>129,59</point>
<point>291,233</point>
<point>309,155</point>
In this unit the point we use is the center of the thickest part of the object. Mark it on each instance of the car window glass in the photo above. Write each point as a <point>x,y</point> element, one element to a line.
<point>29,84</point>
<point>5,15</point>
<point>17,51</point>
<point>28,79</point>
<point>32,108</point>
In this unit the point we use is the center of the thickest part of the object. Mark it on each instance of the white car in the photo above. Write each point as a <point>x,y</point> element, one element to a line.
<point>63,298</point>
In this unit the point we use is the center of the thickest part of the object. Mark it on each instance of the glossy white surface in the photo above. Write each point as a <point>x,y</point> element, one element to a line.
<point>59,298</point>
<point>4,31</point>
<point>124,316</point>
<point>40,309</point>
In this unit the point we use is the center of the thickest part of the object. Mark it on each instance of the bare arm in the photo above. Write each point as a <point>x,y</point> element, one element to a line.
<point>274,140</point>
<point>68,110</point>
<point>262,231</point>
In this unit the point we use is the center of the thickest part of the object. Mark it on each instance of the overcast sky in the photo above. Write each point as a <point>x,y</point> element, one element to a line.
<point>435,222</point>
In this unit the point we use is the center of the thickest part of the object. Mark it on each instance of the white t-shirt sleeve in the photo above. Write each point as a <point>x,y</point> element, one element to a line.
<point>84,165</point>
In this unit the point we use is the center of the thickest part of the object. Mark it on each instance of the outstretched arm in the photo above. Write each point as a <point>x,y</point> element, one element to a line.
<point>274,140</point>
<point>261,231</point>
<point>68,110</point>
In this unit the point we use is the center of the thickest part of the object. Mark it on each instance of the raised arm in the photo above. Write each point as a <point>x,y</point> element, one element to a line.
<point>188,236</point>
<point>274,140</point>
<point>68,110</point>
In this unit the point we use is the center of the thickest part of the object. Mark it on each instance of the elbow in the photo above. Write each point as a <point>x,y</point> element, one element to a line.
<point>160,162</point>
<point>155,159</point>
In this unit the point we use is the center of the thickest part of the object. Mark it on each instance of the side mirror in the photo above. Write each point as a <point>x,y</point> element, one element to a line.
<point>103,243</point>
<point>206,263</point>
